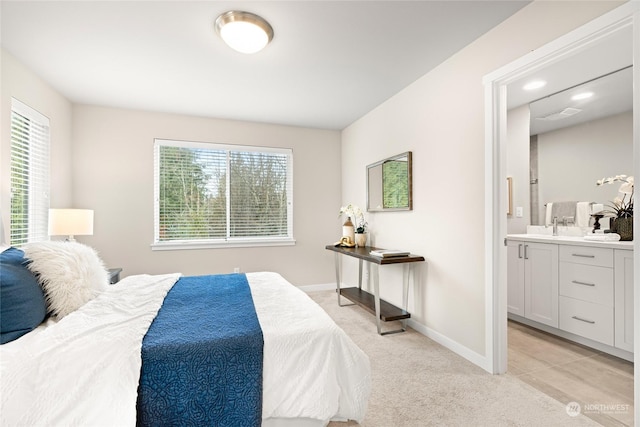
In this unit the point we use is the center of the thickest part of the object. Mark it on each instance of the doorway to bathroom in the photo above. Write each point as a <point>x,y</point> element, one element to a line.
<point>580,40</point>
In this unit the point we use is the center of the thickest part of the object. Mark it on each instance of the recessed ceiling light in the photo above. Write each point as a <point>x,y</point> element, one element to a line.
<point>582,95</point>
<point>244,32</point>
<point>535,84</point>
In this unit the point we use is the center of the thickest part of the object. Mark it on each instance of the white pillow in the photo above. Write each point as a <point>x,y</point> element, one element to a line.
<point>70,273</point>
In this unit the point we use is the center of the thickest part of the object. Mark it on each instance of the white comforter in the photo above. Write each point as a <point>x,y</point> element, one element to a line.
<point>84,370</point>
<point>312,369</point>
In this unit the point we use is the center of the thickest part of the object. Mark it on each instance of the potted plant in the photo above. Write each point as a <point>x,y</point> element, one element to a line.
<point>357,222</point>
<point>622,207</point>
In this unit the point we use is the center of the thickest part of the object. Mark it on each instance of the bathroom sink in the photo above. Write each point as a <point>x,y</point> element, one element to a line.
<point>563,231</point>
<point>550,237</point>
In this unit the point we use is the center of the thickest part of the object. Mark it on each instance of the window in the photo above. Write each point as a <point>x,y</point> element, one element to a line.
<point>29,175</point>
<point>222,195</point>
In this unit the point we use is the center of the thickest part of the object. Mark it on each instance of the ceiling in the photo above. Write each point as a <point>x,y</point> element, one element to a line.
<point>330,62</point>
<point>603,69</point>
<point>612,94</point>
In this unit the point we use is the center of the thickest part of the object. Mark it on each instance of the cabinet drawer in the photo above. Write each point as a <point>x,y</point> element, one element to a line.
<point>587,283</point>
<point>602,257</point>
<point>589,320</point>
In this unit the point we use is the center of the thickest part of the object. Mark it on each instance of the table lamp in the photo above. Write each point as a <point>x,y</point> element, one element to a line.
<point>71,222</point>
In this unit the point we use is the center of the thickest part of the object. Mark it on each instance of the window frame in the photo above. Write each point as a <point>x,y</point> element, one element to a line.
<point>38,144</point>
<point>227,242</point>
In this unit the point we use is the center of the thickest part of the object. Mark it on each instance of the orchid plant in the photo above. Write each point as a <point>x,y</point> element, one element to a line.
<point>356,215</point>
<point>621,207</point>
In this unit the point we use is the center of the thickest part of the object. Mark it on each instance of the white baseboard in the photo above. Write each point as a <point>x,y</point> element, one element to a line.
<point>444,341</point>
<point>448,343</point>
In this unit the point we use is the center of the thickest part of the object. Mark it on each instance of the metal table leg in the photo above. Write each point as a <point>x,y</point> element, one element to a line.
<point>405,298</point>
<point>338,279</point>
<point>376,296</point>
<point>407,269</point>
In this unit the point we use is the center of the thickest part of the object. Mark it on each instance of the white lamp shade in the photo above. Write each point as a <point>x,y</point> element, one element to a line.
<point>70,222</point>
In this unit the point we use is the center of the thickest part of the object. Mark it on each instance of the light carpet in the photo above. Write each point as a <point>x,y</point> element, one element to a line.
<point>417,382</point>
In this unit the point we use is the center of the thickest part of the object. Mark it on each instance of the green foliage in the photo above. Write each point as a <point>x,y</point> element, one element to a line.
<point>19,182</point>
<point>186,210</point>
<point>395,185</point>
<point>193,194</point>
<point>258,196</point>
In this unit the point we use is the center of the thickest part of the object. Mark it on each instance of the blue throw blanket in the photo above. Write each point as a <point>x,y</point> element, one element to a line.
<point>202,356</point>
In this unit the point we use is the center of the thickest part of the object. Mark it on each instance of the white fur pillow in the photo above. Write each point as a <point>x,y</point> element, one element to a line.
<point>70,273</point>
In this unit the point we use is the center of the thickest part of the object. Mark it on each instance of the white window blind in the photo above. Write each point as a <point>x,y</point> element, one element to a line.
<point>222,195</point>
<point>29,174</point>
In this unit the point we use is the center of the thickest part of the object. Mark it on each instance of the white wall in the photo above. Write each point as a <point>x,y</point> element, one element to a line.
<point>19,82</point>
<point>571,160</point>
<point>441,119</point>
<point>113,174</point>
<point>102,159</point>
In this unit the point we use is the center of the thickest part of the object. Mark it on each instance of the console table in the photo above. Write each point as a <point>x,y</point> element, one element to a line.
<point>383,310</point>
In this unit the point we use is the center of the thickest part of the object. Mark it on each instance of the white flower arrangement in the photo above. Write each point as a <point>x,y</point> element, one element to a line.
<point>356,215</point>
<point>621,207</point>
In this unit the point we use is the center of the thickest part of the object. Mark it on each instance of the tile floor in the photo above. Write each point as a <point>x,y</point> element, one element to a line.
<point>569,372</point>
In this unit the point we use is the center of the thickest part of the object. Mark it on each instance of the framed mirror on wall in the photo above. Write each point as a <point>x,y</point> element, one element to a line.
<point>389,184</point>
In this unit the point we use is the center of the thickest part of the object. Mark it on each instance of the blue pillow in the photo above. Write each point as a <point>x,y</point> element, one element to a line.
<point>22,303</point>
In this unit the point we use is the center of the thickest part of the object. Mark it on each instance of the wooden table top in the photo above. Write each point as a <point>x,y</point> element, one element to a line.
<point>363,252</point>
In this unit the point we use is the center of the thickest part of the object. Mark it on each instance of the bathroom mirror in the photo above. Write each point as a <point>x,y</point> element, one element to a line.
<point>556,155</point>
<point>389,186</point>
<point>592,137</point>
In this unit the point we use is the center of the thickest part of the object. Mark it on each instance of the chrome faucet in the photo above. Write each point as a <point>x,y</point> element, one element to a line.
<point>555,225</point>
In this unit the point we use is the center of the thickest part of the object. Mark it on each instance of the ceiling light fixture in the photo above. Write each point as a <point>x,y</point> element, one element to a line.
<point>580,96</point>
<point>244,32</point>
<point>536,84</point>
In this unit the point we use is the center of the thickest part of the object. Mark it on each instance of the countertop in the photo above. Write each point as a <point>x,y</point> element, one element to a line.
<point>570,240</point>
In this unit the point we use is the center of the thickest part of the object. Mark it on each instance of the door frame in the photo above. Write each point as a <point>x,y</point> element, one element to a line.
<point>496,202</point>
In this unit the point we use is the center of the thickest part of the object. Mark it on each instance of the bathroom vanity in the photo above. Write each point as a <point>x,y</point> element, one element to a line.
<point>581,290</point>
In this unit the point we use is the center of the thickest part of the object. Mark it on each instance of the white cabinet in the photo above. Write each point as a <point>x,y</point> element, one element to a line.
<point>586,292</point>
<point>541,283</point>
<point>587,319</point>
<point>582,292</point>
<point>623,261</point>
<point>515,277</point>
<point>532,275</point>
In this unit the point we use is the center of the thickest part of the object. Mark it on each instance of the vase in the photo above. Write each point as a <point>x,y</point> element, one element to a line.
<point>348,230</point>
<point>361,240</point>
<point>624,227</point>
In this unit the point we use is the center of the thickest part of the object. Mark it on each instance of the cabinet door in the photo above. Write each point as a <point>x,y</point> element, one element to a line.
<point>541,283</point>
<point>515,277</point>
<point>623,280</point>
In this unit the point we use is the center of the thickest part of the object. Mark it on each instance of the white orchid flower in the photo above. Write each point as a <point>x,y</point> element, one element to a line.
<point>621,206</point>
<point>627,186</point>
<point>355,213</point>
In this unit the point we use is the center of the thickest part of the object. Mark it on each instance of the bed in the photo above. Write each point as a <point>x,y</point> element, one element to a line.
<point>126,356</point>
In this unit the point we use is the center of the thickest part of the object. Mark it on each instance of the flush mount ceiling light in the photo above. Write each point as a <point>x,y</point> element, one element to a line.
<point>536,84</point>
<point>244,31</point>
<point>581,96</point>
